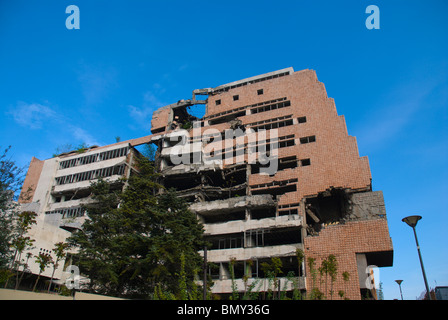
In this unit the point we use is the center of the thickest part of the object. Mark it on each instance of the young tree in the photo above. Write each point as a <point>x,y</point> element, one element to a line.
<point>300,258</point>
<point>25,267</point>
<point>323,269</point>
<point>43,260</point>
<point>60,252</point>
<point>346,278</point>
<point>272,270</point>
<point>235,295</point>
<point>21,241</point>
<point>332,271</point>
<point>20,244</point>
<point>315,294</point>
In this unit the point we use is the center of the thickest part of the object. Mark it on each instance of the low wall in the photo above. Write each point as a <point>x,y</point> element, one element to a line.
<point>8,294</point>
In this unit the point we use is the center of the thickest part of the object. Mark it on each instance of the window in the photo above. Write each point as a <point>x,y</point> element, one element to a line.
<point>305,162</point>
<point>94,158</point>
<point>286,143</point>
<point>288,212</point>
<point>260,92</point>
<point>236,97</point>
<point>269,107</point>
<point>307,139</point>
<point>301,119</point>
<point>218,102</point>
<point>271,123</point>
<point>88,175</point>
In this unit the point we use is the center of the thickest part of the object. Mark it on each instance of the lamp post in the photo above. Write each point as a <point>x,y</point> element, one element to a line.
<point>412,222</point>
<point>399,284</point>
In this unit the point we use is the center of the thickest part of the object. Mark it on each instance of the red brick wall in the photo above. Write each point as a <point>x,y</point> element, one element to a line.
<point>160,118</point>
<point>344,241</point>
<point>31,180</point>
<point>334,156</point>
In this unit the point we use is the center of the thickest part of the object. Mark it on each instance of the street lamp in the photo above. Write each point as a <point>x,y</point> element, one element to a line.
<point>399,284</point>
<point>412,222</point>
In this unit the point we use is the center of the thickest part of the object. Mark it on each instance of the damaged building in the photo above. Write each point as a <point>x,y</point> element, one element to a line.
<point>56,189</point>
<point>269,169</point>
<point>319,199</point>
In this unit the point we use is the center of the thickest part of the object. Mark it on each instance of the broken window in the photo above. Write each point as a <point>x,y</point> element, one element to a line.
<point>224,216</point>
<point>257,214</point>
<point>283,236</point>
<point>69,212</point>
<point>289,265</point>
<point>236,97</point>
<point>260,91</point>
<point>227,117</point>
<point>327,207</point>
<point>226,241</point>
<point>273,237</point>
<point>181,118</point>
<point>238,268</point>
<point>275,188</point>
<point>182,182</point>
<point>214,270</point>
<point>255,238</point>
<point>218,102</point>
<point>288,212</point>
<point>287,163</point>
<point>214,178</point>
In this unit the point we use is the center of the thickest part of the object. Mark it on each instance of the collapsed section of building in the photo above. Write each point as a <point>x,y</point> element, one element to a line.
<point>269,170</point>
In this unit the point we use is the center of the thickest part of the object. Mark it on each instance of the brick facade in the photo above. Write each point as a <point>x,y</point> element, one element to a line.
<point>345,241</point>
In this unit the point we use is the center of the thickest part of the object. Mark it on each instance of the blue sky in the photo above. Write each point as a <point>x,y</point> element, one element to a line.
<point>128,58</point>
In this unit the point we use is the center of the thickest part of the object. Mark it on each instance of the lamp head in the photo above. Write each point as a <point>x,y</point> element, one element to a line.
<point>399,281</point>
<point>411,220</point>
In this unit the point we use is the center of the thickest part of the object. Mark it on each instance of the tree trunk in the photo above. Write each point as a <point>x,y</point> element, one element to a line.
<point>52,275</point>
<point>17,273</point>
<point>35,284</point>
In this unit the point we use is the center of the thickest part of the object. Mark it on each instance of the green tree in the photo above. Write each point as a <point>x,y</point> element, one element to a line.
<point>21,241</point>
<point>43,260</point>
<point>272,270</point>
<point>235,295</point>
<point>133,241</point>
<point>60,252</point>
<point>346,278</point>
<point>300,258</point>
<point>11,179</point>
<point>332,271</point>
<point>179,233</point>
<point>315,294</point>
<point>323,269</point>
